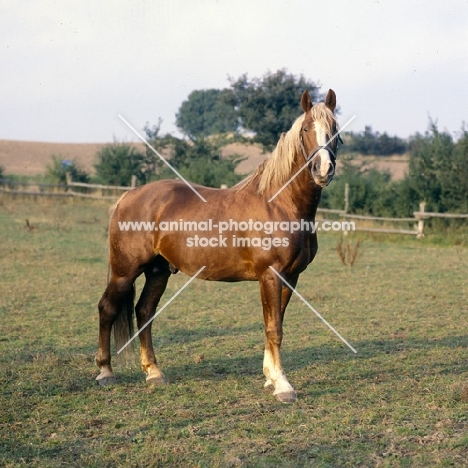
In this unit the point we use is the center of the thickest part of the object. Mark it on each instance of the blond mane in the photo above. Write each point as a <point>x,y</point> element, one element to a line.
<point>276,169</point>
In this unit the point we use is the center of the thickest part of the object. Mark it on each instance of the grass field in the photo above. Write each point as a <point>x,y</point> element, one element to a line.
<point>401,401</point>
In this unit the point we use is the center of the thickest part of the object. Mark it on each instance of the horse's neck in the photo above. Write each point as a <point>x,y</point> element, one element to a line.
<point>302,192</point>
<point>300,196</point>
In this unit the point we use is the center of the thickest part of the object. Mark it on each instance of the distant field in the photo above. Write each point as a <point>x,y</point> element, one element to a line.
<point>32,158</point>
<point>401,401</point>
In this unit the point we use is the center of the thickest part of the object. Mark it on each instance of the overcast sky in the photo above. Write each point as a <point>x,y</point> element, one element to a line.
<point>68,68</point>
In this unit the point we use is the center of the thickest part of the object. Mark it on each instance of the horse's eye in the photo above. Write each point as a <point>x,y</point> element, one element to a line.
<point>305,129</point>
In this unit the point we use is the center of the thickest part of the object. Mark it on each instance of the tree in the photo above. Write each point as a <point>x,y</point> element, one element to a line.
<point>269,105</point>
<point>438,170</point>
<point>117,163</point>
<point>456,181</point>
<point>205,113</point>
<point>198,161</point>
<point>374,143</point>
<point>59,167</point>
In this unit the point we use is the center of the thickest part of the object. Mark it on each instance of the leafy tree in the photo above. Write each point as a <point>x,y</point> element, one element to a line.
<point>269,105</point>
<point>205,113</point>
<point>117,163</point>
<point>455,182</point>
<point>438,170</point>
<point>374,143</point>
<point>59,167</point>
<point>198,161</point>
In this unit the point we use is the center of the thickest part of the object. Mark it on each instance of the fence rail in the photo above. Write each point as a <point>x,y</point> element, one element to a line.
<point>418,218</point>
<point>97,186</point>
<point>430,214</point>
<point>108,192</point>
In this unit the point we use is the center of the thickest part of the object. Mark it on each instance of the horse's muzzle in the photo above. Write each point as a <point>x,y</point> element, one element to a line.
<point>322,172</point>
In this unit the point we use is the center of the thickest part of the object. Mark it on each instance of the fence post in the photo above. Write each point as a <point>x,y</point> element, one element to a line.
<point>346,204</point>
<point>420,228</point>
<point>133,181</point>
<point>346,197</point>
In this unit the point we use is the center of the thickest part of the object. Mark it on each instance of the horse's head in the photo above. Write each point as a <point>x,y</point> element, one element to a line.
<point>318,140</point>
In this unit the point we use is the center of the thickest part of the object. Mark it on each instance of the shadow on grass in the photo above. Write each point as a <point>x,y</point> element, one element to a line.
<point>193,334</point>
<point>224,367</point>
<point>46,361</point>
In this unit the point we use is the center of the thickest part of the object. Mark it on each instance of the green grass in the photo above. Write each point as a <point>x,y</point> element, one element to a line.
<point>401,401</point>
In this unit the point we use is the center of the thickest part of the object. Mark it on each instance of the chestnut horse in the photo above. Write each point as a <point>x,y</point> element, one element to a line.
<point>310,145</point>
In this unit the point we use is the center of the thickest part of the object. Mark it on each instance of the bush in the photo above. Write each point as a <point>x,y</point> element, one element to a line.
<point>371,192</point>
<point>211,173</point>
<point>57,170</point>
<point>117,163</point>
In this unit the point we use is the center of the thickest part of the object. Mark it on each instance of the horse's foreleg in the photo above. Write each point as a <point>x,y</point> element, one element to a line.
<point>275,298</point>
<point>154,288</point>
<point>285,297</point>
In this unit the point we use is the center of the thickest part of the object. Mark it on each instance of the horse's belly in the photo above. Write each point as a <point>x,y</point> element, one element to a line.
<point>212,257</point>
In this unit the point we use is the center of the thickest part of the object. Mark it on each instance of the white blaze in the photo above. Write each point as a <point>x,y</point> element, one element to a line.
<point>321,135</point>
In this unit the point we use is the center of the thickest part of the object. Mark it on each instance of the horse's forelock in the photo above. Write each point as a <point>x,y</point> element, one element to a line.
<point>324,116</point>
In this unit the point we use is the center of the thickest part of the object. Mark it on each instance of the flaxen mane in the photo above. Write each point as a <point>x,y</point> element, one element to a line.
<point>276,169</point>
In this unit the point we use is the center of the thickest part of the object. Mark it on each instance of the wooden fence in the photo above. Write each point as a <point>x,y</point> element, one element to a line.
<point>418,219</point>
<point>98,191</point>
<point>112,192</point>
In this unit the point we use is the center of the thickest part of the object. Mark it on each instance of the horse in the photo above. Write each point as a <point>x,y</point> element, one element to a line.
<point>286,187</point>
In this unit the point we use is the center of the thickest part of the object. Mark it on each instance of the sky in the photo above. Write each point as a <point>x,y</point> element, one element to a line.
<point>69,68</point>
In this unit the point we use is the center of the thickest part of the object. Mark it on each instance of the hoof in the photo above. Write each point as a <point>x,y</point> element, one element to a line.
<point>156,380</point>
<point>287,397</point>
<point>269,385</point>
<point>105,381</point>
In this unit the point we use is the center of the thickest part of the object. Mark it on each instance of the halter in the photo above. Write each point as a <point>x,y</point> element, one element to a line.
<point>309,158</point>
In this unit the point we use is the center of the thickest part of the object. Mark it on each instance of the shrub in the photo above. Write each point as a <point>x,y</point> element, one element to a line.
<point>57,170</point>
<point>117,163</point>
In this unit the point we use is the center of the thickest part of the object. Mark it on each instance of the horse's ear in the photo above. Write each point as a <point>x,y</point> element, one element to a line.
<point>306,102</point>
<point>330,100</point>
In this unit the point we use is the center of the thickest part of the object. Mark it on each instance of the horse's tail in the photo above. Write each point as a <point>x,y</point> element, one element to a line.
<point>123,324</point>
<point>124,327</point>
<point>110,214</point>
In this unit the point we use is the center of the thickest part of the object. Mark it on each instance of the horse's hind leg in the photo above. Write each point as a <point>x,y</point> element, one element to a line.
<point>157,276</point>
<point>118,293</point>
